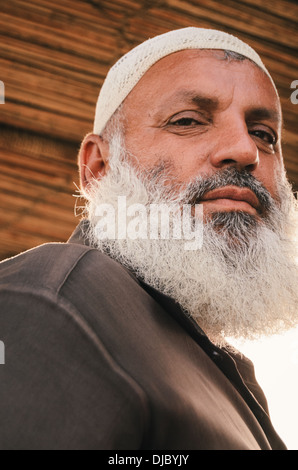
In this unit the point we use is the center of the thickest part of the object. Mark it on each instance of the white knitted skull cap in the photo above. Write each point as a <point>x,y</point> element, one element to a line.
<point>129,69</point>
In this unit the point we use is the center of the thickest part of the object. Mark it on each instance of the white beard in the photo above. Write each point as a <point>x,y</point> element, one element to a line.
<point>242,285</point>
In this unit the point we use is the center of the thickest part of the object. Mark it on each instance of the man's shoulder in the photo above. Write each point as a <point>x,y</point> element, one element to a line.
<point>50,265</point>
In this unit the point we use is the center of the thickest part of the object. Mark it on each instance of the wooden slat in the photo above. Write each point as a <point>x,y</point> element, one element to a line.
<point>237,19</point>
<point>282,9</point>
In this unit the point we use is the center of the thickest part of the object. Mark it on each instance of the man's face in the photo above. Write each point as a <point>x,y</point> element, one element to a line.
<point>198,113</point>
<point>199,128</point>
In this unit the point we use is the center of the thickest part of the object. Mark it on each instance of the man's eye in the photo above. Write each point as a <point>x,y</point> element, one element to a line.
<point>265,136</point>
<point>184,122</point>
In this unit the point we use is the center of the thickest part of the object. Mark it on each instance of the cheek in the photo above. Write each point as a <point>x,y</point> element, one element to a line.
<point>140,152</point>
<point>189,165</point>
<point>185,163</point>
<point>269,175</point>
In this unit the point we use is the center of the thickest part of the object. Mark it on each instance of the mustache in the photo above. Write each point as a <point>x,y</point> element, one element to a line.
<point>198,188</point>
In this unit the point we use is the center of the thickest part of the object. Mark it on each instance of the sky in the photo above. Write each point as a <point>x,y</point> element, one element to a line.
<point>276,366</point>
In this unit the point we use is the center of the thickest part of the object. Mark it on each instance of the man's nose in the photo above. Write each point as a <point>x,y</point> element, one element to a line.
<point>235,147</point>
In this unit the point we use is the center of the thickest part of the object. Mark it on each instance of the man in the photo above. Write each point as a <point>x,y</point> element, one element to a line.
<point>118,338</point>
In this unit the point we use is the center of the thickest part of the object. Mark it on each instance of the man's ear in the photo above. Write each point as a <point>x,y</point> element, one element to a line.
<point>93,159</point>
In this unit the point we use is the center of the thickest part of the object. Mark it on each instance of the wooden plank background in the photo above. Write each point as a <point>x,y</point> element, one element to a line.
<point>54,56</point>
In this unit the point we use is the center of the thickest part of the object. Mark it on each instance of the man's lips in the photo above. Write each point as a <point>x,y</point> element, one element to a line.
<point>225,196</point>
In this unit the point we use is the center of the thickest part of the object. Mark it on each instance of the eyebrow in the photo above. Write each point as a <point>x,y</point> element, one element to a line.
<point>212,103</point>
<point>262,114</point>
<point>201,101</point>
